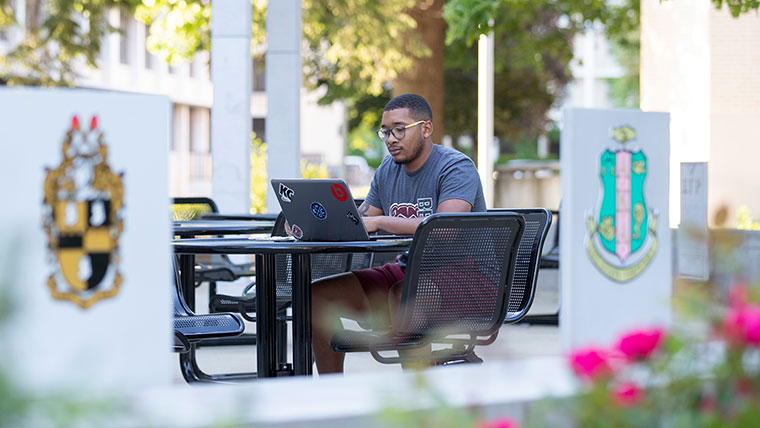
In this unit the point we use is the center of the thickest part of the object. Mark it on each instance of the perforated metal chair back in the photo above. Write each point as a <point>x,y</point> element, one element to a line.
<point>523,287</point>
<point>458,274</point>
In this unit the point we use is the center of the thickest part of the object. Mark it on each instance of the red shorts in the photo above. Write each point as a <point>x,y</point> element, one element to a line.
<point>379,279</point>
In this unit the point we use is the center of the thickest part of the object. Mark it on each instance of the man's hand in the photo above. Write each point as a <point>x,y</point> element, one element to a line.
<point>371,224</point>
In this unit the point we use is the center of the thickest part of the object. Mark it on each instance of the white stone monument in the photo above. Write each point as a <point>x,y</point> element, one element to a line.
<point>84,238</point>
<point>615,250</point>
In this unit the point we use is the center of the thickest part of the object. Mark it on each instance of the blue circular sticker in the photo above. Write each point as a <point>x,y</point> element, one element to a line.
<point>318,210</point>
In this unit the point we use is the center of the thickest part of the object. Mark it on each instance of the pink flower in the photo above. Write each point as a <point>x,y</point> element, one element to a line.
<point>640,344</point>
<point>741,325</point>
<point>498,423</point>
<point>627,394</point>
<point>589,363</point>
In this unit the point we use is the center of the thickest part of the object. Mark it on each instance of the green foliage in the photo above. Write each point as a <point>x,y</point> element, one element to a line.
<point>259,182</point>
<point>738,7</point>
<point>532,51</point>
<point>744,219</point>
<point>59,33</point>
<point>178,29</point>
<point>350,47</point>
<point>701,373</point>
<point>313,170</point>
<point>364,117</point>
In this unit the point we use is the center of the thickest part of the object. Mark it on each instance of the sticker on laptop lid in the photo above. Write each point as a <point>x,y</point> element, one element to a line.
<point>339,192</point>
<point>286,193</point>
<point>352,217</point>
<point>318,210</point>
<point>296,231</point>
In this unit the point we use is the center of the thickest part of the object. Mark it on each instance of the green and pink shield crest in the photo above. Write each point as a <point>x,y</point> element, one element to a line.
<point>622,240</point>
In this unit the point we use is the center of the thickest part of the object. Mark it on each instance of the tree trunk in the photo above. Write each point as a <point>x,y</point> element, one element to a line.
<point>426,78</point>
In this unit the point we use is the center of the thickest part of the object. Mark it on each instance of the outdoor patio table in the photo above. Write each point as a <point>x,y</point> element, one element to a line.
<point>265,251</point>
<point>192,228</point>
<point>224,216</point>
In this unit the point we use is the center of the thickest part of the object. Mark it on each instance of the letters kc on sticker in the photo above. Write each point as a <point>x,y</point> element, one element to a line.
<point>286,193</point>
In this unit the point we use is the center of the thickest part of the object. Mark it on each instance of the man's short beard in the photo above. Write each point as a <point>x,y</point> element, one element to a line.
<point>415,154</point>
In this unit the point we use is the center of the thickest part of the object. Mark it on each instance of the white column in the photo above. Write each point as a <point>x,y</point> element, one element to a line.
<point>283,77</point>
<point>485,115</point>
<point>231,72</point>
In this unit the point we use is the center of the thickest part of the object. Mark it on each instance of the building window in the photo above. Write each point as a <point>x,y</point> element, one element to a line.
<point>200,135</point>
<point>259,79</point>
<point>124,27</point>
<point>260,128</point>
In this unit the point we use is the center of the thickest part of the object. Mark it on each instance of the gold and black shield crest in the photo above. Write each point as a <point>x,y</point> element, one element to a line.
<point>83,219</point>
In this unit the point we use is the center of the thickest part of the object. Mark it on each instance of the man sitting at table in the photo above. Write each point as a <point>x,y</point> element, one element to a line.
<point>417,178</point>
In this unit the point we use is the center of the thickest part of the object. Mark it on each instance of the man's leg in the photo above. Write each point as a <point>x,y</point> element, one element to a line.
<point>332,298</point>
<point>394,303</point>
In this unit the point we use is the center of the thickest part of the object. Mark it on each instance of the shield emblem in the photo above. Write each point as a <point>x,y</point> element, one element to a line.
<point>622,239</point>
<point>82,206</point>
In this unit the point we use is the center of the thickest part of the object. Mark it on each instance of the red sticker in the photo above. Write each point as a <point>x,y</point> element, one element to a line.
<point>339,192</point>
<point>297,232</point>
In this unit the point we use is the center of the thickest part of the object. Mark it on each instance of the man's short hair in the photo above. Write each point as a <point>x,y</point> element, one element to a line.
<point>419,109</point>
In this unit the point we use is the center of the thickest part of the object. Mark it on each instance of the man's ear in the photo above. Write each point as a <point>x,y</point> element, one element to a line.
<point>427,129</point>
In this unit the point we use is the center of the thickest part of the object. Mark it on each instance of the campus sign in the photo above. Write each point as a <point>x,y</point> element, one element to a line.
<point>615,266</point>
<point>84,255</point>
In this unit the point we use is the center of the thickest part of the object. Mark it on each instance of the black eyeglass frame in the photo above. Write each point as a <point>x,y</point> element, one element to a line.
<point>385,133</point>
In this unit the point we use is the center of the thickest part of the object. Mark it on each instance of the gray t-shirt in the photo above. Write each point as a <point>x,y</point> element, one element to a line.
<point>446,174</point>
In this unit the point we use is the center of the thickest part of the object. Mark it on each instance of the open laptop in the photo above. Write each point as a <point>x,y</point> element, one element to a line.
<point>319,209</point>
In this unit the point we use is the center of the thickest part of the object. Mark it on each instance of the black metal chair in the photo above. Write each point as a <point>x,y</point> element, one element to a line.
<point>455,292</point>
<point>523,287</point>
<point>215,267</point>
<point>549,261</point>
<point>189,329</point>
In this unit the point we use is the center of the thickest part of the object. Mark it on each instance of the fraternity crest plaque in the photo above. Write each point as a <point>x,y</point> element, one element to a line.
<point>621,238</point>
<point>82,217</point>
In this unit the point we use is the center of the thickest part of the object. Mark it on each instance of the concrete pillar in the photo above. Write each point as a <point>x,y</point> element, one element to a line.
<point>231,73</point>
<point>283,77</point>
<point>485,116</point>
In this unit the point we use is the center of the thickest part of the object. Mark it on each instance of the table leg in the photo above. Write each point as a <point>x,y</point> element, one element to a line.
<point>266,349</point>
<point>302,357</point>
<point>187,270</point>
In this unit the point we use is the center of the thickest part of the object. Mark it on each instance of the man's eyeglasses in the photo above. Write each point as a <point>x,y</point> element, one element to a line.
<point>397,132</point>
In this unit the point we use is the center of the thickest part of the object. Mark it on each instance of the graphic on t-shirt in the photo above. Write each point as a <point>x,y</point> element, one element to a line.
<point>424,207</point>
<point>339,192</point>
<point>296,231</point>
<point>286,193</point>
<point>318,210</point>
<point>404,209</point>
<point>352,217</point>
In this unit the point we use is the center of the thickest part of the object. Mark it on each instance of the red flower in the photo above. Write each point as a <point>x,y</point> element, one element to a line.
<point>627,394</point>
<point>498,423</point>
<point>742,325</point>
<point>640,344</point>
<point>589,363</point>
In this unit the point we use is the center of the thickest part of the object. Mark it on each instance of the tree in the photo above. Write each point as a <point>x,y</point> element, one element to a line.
<point>58,36</point>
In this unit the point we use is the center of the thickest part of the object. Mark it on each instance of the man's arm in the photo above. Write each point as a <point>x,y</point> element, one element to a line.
<point>407,226</point>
